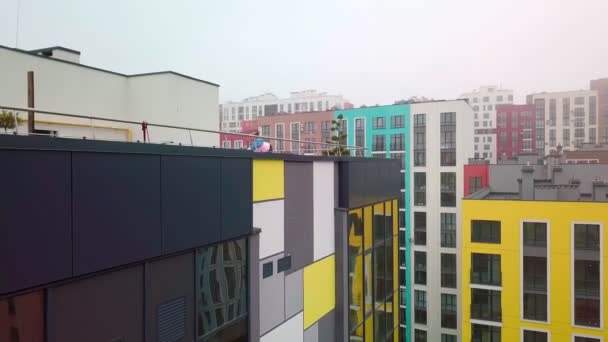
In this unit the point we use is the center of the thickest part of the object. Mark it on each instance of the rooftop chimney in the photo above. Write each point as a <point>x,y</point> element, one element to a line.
<point>527,183</point>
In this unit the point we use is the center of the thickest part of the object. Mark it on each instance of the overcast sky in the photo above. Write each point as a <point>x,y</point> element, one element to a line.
<point>370,51</point>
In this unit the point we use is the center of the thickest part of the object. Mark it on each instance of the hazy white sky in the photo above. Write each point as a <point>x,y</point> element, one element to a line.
<point>370,51</point>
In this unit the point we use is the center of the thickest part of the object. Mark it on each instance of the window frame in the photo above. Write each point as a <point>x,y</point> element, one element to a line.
<point>523,329</point>
<point>498,241</point>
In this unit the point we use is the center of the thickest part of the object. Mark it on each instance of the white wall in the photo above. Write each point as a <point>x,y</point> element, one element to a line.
<point>269,216</point>
<point>290,331</point>
<point>433,209</point>
<point>323,209</point>
<point>67,87</point>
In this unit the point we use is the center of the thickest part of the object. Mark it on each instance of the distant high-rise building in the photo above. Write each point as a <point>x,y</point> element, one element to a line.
<point>484,101</point>
<point>268,104</point>
<point>568,119</point>
<point>515,130</point>
<point>601,86</point>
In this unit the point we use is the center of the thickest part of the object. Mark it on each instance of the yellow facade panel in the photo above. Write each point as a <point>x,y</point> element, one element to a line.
<point>319,290</point>
<point>268,180</point>
<point>560,217</point>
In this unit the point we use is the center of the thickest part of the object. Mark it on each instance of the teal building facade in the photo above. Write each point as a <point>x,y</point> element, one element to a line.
<point>385,132</point>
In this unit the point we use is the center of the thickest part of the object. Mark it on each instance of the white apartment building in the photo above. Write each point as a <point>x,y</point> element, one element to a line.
<point>568,119</point>
<point>62,84</point>
<point>484,101</point>
<point>442,143</point>
<point>232,113</point>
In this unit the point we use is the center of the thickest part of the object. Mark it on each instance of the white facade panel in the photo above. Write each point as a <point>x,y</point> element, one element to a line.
<point>290,331</point>
<point>323,209</point>
<point>270,218</point>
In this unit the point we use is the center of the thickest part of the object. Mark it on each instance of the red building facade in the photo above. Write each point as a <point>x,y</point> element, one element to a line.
<point>476,177</point>
<point>230,140</point>
<point>515,130</point>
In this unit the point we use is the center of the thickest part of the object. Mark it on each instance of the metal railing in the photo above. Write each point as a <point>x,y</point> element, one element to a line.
<point>90,127</point>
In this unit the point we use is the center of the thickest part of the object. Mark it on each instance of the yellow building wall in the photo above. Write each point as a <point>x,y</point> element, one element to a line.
<point>560,216</point>
<point>268,179</point>
<point>319,290</point>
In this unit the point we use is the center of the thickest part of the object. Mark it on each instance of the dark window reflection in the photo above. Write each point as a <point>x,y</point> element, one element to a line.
<point>222,292</point>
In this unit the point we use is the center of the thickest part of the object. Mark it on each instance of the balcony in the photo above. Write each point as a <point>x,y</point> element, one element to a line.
<point>486,278</point>
<point>486,313</point>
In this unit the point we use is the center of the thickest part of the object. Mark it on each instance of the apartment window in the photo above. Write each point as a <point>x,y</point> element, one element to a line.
<point>586,339</point>
<point>378,142</point>
<point>535,336</point>
<point>289,108</point>
<point>448,118</point>
<point>420,228</point>
<point>485,305</point>
<point>448,230</point>
<point>485,269</point>
<point>226,144</point>
<point>266,131</point>
<point>420,143</point>
<point>476,123</point>
<point>397,142</point>
<point>319,105</point>
<point>485,231</point>
<point>419,335</point>
<point>419,120</point>
<point>397,121</point>
<point>309,127</point>
<point>485,333</point>
<point>420,306</point>
<point>448,270</point>
<point>448,158</point>
<point>592,110</point>
<point>552,139</point>
<point>534,271</point>
<point>280,130</point>
<point>238,144</point>
<point>295,135</point>
<point>489,107</point>
<point>552,112</point>
<point>476,109</point>
<point>474,184</point>
<point>499,98</point>
<point>579,100</point>
<point>448,189</point>
<point>535,306</point>
<point>587,266</point>
<point>378,122</point>
<point>566,136</point>
<point>448,311</point>
<point>535,234</point>
<point>510,97</point>
<point>592,137</point>
<point>420,268</point>
<point>448,338</point>
<point>419,188</point>
<point>486,99</point>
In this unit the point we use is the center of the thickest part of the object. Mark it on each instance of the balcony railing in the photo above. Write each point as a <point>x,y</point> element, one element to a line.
<point>486,278</point>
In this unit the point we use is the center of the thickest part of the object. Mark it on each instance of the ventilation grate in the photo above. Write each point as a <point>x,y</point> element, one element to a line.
<point>172,320</point>
<point>284,264</point>
<point>267,270</point>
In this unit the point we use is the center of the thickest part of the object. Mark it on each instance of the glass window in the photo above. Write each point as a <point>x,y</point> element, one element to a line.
<point>486,99</point>
<point>419,188</point>
<point>448,158</point>
<point>474,184</point>
<point>419,335</point>
<point>535,306</point>
<point>419,158</point>
<point>485,305</point>
<point>579,100</point>
<point>401,157</point>
<point>378,122</point>
<point>587,266</point>
<point>420,228</point>
<point>448,270</point>
<point>221,291</point>
<point>448,311</point>
<point>448,338</point>
<point>485,333</point>
<point>535,234</point>
<point>419,120</point>
<point>586,339</point>
<point>485,269</point>
<point>420,268</point>
<point>397,142</point>
<point>485,231</point>
<point>448,118</point>
<point>420,306</point>
<point>397,121</point>
<point>448,230</point>
<point>378,142</point>
<point>448,189</point>
<point>535,336</point>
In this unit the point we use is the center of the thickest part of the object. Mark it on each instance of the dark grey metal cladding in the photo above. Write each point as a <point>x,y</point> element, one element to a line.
<point>236,197</point>
<point>190,206</point>
<point>327,328</point>
<point>116,203</point>
<point>341,310</point>
<point>363,182</point>
<point>35,218</point>
<point>253,282</point>
<point>103,308</point>
<point>299,211</point>
<point>166,280</point>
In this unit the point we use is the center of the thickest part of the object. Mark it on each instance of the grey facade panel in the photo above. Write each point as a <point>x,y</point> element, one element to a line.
<point>116,204</point>
<point>327,328</point>
<point>190,206</point>
<point>341,310</point>
<point>294,293</point>
<point>236,198</point>
<point>312,333</point>
<point>167,280</point>
<point>363,182</point>
<point>36,243</point>
<point>253,263</point>
<point>272,297</point>
<point>299,241</point>
<point>104,308</point>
